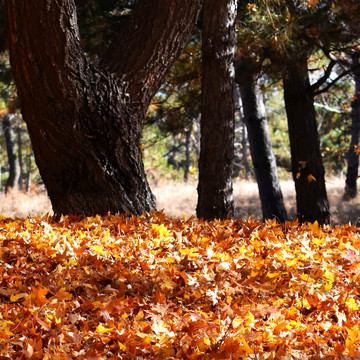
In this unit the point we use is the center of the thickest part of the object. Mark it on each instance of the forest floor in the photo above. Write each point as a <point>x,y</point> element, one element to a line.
<point>177,199</point>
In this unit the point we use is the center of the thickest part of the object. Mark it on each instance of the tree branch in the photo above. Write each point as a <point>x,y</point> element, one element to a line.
<point>323,79</point>
<point>333,82</point>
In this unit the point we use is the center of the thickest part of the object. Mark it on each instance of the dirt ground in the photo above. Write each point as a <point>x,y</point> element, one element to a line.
<point>177,199</point>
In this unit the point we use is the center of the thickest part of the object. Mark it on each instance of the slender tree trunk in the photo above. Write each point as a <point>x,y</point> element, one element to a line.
<point>244,135</point>
<point>307,168</point>
<point>353,155</point>
<point>215,196</point>
<point>188,150</point>
<point>12,180</point>
<point>85,120</point>
<point>263,158</point>
<point>21,162</point>
<point>28,173</point>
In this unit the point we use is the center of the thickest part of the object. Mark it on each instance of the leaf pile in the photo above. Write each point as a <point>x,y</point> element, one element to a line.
<point>150,287</point>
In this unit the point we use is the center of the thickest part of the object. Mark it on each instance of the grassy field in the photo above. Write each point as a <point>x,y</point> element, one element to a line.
<point>178,199</point>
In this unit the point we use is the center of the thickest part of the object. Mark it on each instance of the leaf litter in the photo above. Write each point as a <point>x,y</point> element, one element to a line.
<point>152,287</point>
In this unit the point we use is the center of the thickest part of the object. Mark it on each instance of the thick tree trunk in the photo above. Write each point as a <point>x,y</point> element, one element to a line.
<point>84,120</point>
<point>353,156</point>
<point>307,168</point>
<point>215,196</point>
<point>262,155</point>
<point>12,180</point>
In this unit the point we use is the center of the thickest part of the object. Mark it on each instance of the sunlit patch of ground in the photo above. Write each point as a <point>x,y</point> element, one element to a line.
<point>178,199</point>
<point>19,204</point>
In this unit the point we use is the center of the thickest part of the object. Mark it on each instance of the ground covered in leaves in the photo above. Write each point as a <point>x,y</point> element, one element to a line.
<point>150,287</point>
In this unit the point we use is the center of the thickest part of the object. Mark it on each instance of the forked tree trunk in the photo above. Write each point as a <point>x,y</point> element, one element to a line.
<point>262,155</point>
<point>215,196</point>
<point>307,167</point>
<point>85,120</point>
<point>353,155</point>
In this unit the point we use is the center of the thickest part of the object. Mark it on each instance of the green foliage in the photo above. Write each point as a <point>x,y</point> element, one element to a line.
<point>155,147</point>
<point>99,20</point>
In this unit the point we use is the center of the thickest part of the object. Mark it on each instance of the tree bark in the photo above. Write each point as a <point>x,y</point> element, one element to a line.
<point>85,120</point>
<point>215,196</point>
<point>12,180</point>
<point>353,155</point>
<point>20,157</point>
<point>262,155</point>
<point>188,132</point>
<point>307,168</point>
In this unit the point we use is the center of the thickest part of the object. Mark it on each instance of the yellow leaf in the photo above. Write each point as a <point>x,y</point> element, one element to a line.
<point>15,298</point>
<point>246,347</point>
<point>317,241</point>
<point>101,329</point>
<point>122,347</point>
<point>273,275</point>
<point>327,286</point>
<point>351,304</point>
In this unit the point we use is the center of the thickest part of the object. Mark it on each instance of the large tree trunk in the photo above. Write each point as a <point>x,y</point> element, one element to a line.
<point>307,168</point>
<point>85,120</point>
<point>12,180</point>
<point>262,155</point>
<point>215,198</point>
<point>353,155</point>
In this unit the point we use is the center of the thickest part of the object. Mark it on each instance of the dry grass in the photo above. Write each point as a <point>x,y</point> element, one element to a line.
<point>178,199</point>
<point>16,204</point>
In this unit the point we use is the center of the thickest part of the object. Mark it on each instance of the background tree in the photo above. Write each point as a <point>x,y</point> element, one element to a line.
<point>215,197</point>
<point>12,180</point>
<point>85,120</point>
<point>307,168</point>
<point>353,155</point>
<point>288,33</point>
<point>248,78</point>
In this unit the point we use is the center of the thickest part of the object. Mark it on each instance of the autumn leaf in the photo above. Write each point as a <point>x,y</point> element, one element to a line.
<point>157,288</point>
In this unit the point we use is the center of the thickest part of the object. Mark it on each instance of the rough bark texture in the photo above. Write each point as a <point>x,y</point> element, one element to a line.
<point>307,168</point>
<point>13,177</point>
<point>215,197</point>
<point>262,155</point>
<point>353,156</point>
<point>85,120</point>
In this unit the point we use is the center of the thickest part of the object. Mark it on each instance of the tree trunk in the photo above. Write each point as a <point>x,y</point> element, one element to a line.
<point>307,168</point>
<point>262,155</point>
<point>85,120</point>
<point>353,156</point>
<point>28,173</point>
<point>20,157</point>
<point>12,180</point>
<point>188,132</point>
<point>244,134</point>
<point>215,196</point>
